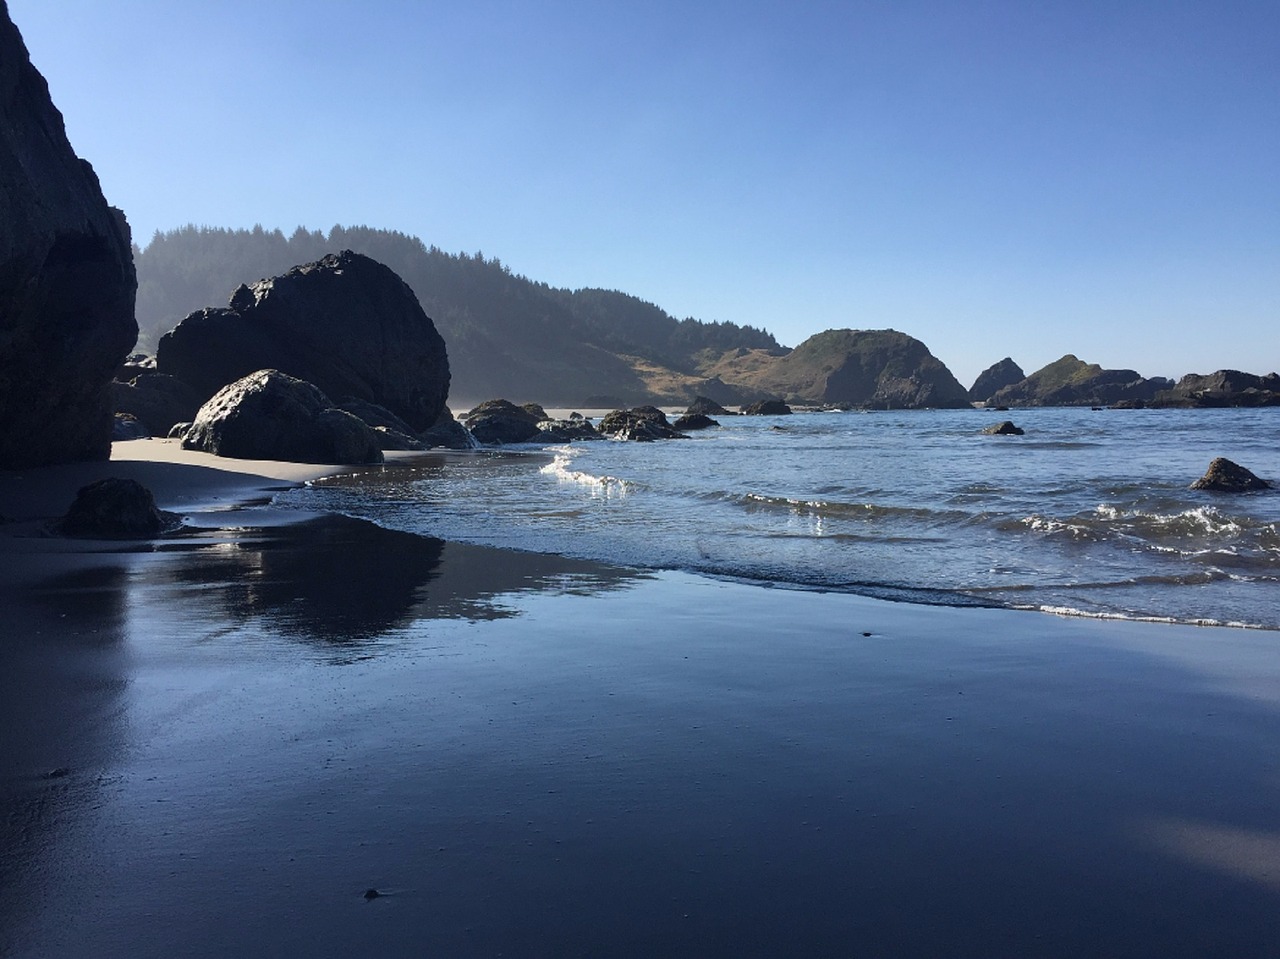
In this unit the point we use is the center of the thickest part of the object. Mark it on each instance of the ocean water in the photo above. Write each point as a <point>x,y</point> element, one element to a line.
<point>1089,513</point>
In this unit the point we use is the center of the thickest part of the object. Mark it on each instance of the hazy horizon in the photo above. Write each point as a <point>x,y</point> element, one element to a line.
<point>991,179</point>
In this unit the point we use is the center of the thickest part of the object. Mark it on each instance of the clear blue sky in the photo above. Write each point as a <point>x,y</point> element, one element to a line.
<point>1022,178</point>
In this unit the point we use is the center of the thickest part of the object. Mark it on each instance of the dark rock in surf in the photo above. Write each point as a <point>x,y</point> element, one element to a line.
<point>67,281</point>
<point>767,408</point>
<point>694,421</point>
<point>1005,428</point>
<point>702,406</point>
<point>641,424</point>
<point>345,323</point>
<point>565,431</point>
<point>1224,476</point>
<point>502,422</point>
<point>114,508</point>
<point>269,415</point>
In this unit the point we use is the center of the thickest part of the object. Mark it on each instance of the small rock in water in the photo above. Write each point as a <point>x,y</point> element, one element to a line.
<point>1005,428</point>
<point>371,894</point>
<point>1224,476</point>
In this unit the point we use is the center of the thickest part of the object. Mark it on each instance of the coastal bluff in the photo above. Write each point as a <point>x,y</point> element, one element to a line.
<point>67,281</point>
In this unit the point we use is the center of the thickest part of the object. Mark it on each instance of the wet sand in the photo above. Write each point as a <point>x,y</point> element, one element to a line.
<point>217,743</point>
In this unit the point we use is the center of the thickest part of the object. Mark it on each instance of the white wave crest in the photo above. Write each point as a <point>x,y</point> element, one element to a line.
<point>561,468</point>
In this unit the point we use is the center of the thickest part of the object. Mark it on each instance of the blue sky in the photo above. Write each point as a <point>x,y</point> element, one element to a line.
<point>995,178</point>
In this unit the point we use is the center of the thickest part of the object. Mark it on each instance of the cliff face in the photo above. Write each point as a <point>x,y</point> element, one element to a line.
<point>995,378</point>
<point>67,282</point>
<point>863,368</point>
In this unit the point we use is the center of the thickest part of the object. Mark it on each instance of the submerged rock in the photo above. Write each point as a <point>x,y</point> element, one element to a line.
<point>1224,476</point>
<point>67,281</point>
<point>114,508</point>
<point>269,415</point>
<point>1005,428</point>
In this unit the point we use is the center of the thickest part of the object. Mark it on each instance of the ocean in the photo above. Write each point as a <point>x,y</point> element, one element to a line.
<point>1089,513</point>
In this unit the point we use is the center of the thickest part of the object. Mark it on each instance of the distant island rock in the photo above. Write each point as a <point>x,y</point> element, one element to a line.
<point>1070,381</point>
<point>345,323</point>
<point>1222,389</point>
<point>871,369</point>
<point>67,281</point>
<point>995,378</point>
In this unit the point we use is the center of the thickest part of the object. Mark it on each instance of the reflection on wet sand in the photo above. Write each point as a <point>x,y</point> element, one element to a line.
<point>337,580</point>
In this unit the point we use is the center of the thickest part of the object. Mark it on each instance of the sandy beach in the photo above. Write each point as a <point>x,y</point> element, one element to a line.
<point>217,743</point>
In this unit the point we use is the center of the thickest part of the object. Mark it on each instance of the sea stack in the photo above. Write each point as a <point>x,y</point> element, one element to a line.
<point>67,283</point>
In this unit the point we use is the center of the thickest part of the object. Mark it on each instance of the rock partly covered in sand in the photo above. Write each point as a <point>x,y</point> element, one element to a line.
<point>767,408</point>
<point>67,281</point>
<point>114,508</point>
<point>1005,428</point>
<point>1224,476</point>
<point>346,323</point>
<point>995,378</point>
<point>269,415</point>
<point>642,424</point>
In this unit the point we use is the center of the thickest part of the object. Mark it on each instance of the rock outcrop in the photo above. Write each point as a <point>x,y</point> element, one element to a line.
<point>995,378</point>
<point>67,282</point>
<point>156,400</point>
<point>694,421</point>
<point>871,369</point>
<point>345,323</point>
<point>641,424</point>
<point>1070,381</point>
<point>1223,388</point>
<point>502,422</point>
<point>1224,476</point>
<point>114,508</point>
<point>447,433</point>
<point>269,415</point>
<point>1005,428</point>
<point>767,408</point>
<point>702,406</point>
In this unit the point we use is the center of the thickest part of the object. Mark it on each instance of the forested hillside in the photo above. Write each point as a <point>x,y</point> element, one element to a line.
<point>507,335</point>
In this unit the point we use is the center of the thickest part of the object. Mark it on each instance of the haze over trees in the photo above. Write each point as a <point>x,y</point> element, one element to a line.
<point>507,335</point>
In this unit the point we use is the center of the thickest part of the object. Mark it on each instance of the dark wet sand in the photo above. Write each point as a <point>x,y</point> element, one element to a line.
<point>215,747</point>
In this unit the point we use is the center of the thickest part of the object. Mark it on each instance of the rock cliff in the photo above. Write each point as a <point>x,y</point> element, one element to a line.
<point>67,283</point>
<point>1070,381</point>
<point>346,323</point>
<point>995,378</point>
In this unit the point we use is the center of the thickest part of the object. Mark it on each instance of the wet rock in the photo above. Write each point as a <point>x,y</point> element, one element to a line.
<point>346,323</point>
<point>501,421</point>
<point>1224,476</point>
<point>448,433</point>
<point>269,415</point>
<point>1005,428</point>
<point>694,421</point>
<point>641,424</point>
<point>114,508</point>
<point>565,431</point>
<point>67,281</point>
<point>766,408</point>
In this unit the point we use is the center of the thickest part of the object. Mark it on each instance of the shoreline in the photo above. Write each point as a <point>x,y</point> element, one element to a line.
<point>215,745</point>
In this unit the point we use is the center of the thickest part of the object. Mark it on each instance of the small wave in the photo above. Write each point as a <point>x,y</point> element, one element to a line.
<point>833,509</point>
<point>1072,612</point>
<point>559,467</point>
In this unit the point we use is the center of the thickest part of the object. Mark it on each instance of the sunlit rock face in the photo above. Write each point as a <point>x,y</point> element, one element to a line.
<point>346,323</point>
<point>67,283</point>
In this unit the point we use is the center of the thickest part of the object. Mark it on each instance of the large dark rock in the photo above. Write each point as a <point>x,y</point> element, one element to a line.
<point>448,433</point>
<point>1223,388</point>
<point>1070,381</point>
<point>702,406</point>
<point>156,400</point>
<point>995,378</point>
<point>114,508</point>
<point>269,415</point>
<point>565,431</point>
<point>767,408</point>
<point>501,421</point>
<point>694,421</point>
<point>1005,428</point>
<point>642,424</point>
<point>67,282</point>
<point>345,323</point>
<point>1224,476</point>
